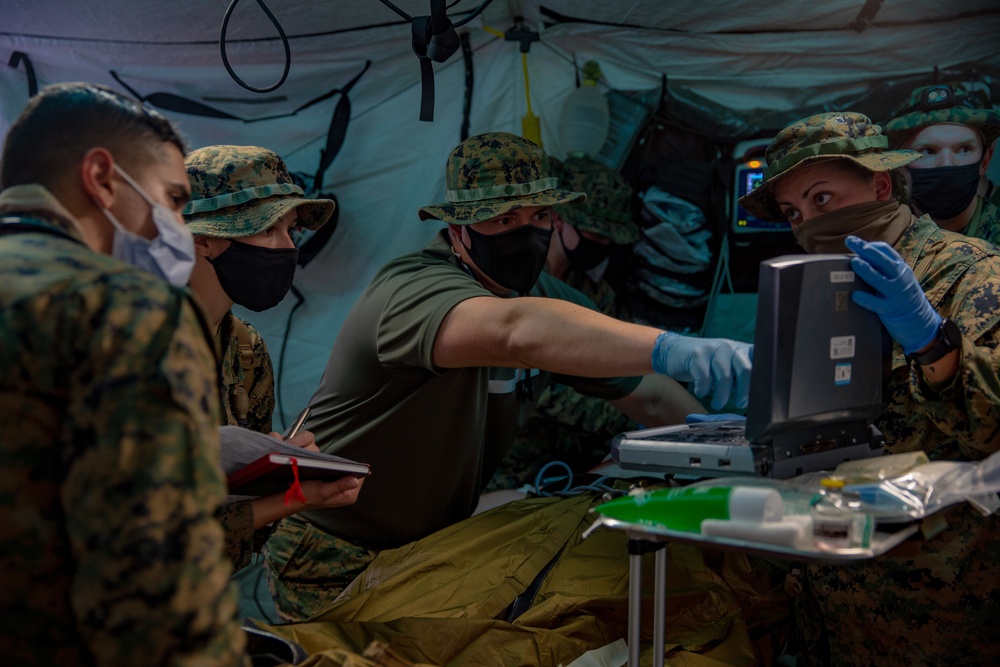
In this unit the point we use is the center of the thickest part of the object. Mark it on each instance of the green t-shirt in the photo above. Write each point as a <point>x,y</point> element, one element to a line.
<point>433,436</point>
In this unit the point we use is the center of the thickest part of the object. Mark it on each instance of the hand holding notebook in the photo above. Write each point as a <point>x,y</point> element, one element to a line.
<point>259,465</point>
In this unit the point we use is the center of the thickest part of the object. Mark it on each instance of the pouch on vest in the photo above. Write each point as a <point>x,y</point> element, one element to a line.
<point>240,397</point>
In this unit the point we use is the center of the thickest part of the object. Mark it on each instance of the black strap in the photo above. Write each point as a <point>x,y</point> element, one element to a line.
<point>420,27</point>
<point>434,39</point>
<point>866,15</point>
<point>338,127</point>
<point>16,58</point>
<point>176,103</point>
<point>185,105</point>
<point>469,82</point>
<point>523,601</point>
<point>312,246</point>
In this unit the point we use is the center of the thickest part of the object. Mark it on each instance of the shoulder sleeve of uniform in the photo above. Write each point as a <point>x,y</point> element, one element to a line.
<point>416,297</point>
<point>262,392</point>
<point>143,482</point>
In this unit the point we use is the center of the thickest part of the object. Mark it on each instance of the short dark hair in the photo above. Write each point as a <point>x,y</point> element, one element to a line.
<point>65,120</point>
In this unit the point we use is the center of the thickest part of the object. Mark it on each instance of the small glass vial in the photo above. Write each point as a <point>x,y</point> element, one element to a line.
<point>836,524</point>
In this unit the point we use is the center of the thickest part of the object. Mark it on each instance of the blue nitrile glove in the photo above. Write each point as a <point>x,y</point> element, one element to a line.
<point>716,365</point>
<point>899,300</point>
<point>721,417</point>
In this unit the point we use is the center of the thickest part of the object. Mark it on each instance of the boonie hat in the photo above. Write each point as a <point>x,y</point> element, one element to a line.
<point>833,135</point>
<point>944,103</point>
<point>495,173</point>
<point>238,191</point>
<point>608,209</point>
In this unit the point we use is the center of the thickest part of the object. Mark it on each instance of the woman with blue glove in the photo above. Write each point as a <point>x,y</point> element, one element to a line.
<point>938,295</point>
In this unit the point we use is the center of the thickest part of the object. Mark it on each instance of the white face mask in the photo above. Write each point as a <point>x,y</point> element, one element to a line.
<point>170,255</point>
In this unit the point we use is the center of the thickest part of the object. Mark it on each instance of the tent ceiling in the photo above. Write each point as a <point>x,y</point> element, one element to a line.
<point>195,21</point>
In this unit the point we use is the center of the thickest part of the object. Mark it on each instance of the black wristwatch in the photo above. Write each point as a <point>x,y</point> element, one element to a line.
<point>949,338</point>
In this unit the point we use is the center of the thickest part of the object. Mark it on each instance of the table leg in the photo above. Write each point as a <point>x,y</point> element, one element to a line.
<point>659,606</point>
<point>634,602</point>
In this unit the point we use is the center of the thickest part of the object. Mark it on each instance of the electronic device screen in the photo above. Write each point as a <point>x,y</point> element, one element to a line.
<point>749,175</point>
<point>819,367</point>
<point>818,358</point>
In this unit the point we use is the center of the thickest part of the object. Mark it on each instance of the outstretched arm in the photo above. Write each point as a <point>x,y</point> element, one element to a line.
<point>562,337</point>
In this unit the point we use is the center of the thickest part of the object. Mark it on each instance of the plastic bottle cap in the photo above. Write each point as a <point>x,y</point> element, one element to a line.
<point>832,483</point>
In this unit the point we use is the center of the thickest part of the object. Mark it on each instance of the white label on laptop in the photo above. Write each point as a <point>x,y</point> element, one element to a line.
<point>842,276</point>
<point>842,347</point>
<point>842,374</point>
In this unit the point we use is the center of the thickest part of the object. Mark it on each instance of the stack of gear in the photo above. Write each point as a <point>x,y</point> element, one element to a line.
<point>673,254</point>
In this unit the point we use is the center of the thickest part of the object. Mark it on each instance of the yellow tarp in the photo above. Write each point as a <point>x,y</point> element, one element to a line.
<point>441,600</point>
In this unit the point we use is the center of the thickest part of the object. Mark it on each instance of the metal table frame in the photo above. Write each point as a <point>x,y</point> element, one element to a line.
<point>646,539</point>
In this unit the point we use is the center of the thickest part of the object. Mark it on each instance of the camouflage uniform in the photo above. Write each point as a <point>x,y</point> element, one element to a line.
<point>242,541</point>
<point>966,107</point>
<point>239,191</point>
<point>985,221</point>
<point>108,431</point>
<point>937,599</point>
<point>568,426</point>
<point>261,393</point>
<point>607,212</point>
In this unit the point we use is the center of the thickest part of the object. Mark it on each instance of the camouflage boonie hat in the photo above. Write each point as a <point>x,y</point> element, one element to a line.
<point>944,103</point>
<point>608,209</point>
<point>495,173</point>
<point>833,135</point>
<point>239,191</point>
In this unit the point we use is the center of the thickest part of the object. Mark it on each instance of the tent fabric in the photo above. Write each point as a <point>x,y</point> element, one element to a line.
<point>736,69</point>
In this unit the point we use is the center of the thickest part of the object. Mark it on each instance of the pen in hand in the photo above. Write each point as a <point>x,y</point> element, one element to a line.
<point>293,430</point>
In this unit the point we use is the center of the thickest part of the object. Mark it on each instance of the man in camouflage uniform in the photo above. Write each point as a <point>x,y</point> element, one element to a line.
<point>244,204</point>
<point>568,426</point>
<point>109,406</point>
<point>441,359</point>
<point>586,232</point>
<point>938,294</point>
<point>955,130</point>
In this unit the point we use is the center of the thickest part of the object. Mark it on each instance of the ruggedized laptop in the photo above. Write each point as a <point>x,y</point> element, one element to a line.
<point>817,381</point>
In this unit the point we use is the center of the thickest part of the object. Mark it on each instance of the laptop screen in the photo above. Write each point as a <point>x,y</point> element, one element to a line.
<point>818,356</point>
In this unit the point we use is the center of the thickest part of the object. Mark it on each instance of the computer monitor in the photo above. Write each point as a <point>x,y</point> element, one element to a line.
<point>748,176</point>
<point>819,358</point>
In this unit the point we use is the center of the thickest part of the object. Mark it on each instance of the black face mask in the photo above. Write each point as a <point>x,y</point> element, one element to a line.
<point>944,192</point>
<point>512,259</point>
<point>254,277</point>
<point>587,254</point>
